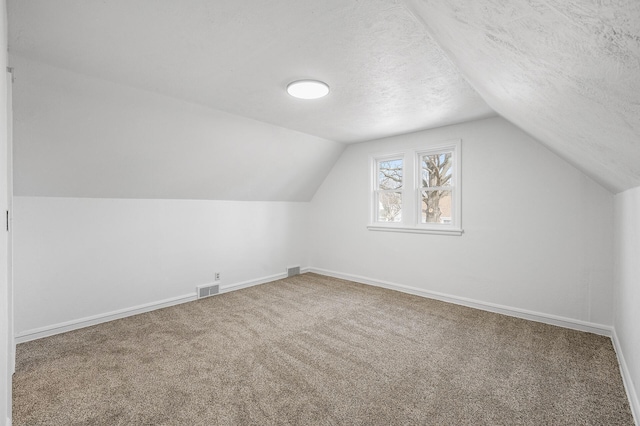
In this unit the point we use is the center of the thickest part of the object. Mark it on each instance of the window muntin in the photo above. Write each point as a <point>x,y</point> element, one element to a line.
<point>436,186</point>
<point>388,190</point>
<point>419,196</point>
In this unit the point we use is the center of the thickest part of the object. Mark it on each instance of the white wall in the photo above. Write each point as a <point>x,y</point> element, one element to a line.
<point>79,257</point>
<point>119,196</point>
<point>78,136</point>
<point>627,289</point>
<point>538,233</point>
<point>6,339</point>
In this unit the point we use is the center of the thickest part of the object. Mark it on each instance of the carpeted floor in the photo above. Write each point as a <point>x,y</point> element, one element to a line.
<point>313,350</point>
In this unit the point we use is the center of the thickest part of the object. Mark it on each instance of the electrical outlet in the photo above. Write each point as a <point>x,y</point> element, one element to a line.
<point>217,276</point>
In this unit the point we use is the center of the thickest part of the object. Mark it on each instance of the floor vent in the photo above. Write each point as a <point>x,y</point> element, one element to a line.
<point>207,290</point>
<point>293,271</point>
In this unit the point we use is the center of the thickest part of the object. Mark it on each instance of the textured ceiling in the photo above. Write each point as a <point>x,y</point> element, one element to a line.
<point>567,72</point>
<point>387,75</point>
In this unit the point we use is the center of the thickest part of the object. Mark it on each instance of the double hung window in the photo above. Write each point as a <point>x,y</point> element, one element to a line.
<point>388,190</point>
<point>417,190</point>
<point>436,186</point>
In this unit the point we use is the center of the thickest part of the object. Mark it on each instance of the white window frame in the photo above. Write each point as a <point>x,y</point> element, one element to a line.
<point>411,191</point>
<point>375,190</point>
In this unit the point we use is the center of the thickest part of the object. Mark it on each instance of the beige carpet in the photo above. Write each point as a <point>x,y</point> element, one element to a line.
<point>312,350</point>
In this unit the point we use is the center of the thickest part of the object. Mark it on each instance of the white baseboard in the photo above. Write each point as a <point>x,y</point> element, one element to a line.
<point>63,327</point>
<point>491,307</point>
<point>50,330</point>
<point>574,324</point>
<point>251,283</point>
<point>626,379</point>
<point>570,323</point>
<point>38,333</point>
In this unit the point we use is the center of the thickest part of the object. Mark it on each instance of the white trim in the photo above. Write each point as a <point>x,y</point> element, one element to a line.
<point>491,307</point>
<point>634,403</point>
<point>8,191</point>
<point>250,283</point>
<point>374,161</point>
<point>455,147</point>
<point>63,327</point>
<point>565,322</point>
<point>50,330</point>
<point>411,190</point>
<point>416,230</point>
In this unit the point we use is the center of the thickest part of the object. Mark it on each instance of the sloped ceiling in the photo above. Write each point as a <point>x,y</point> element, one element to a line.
<point>80,136</point>
<point>387,75</point>
<point>567,72</point>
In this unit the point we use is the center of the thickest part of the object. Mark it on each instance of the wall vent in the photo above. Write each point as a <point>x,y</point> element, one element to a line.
<point>293,271</point>
<point>207,290</point>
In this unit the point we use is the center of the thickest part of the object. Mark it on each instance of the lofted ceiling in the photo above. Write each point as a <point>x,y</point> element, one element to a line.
<point>565,71</point>
<point>387,75</point>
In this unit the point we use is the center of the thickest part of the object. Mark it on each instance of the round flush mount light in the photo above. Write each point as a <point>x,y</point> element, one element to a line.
<point>308,89</point>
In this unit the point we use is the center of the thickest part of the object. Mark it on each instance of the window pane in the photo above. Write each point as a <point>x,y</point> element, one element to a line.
<point>389,206</point>
<point>390,174</point>
<point>436,207</point>
<point>436,169</point>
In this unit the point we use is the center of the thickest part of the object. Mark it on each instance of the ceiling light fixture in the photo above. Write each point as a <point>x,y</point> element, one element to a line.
<point>308,89</point>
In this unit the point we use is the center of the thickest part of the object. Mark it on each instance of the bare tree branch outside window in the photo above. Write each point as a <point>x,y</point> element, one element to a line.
<point>436,174</point>
<point>389,194</point>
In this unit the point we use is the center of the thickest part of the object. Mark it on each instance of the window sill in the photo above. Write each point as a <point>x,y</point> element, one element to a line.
<point>415,230</point>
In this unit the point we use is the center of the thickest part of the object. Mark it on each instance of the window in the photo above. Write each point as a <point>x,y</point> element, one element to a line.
<point>417,191</point>
<point>388,190</point>
<point>435,184</point>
